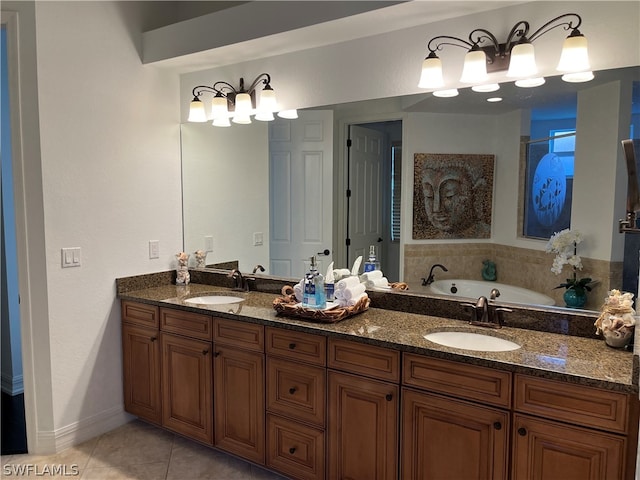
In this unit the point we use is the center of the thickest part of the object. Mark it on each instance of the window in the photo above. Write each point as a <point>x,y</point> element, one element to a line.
<point>396,190</point>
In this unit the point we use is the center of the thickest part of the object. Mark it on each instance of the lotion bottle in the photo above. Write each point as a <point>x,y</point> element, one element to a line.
<point>372,262</point>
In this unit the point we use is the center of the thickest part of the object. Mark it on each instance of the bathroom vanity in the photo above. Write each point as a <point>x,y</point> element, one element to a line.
<point>369,397</point>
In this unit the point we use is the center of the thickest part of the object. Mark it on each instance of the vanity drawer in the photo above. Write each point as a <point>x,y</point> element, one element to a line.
<point>567,402</point>
<point>189,324</point>
<point>248,336</point>
<point>369,360</point>
<point>140,314</point>
<point>296,390</point>
<point>461,380</point>
<point>298,346</point>
<point>295,449</point>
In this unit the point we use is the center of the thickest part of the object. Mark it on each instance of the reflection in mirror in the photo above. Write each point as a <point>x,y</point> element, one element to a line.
<point>226,171</point>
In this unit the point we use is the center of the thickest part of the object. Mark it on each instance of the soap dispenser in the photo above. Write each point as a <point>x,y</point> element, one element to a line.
<point>372,262</point>
<point>313,295</point>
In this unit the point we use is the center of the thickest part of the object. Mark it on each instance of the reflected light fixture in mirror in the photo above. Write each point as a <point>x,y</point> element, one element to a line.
<point>237,104</point>
<point>516,55</point>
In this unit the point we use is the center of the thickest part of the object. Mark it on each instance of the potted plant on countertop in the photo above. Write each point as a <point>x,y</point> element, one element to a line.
<point>565,245</point>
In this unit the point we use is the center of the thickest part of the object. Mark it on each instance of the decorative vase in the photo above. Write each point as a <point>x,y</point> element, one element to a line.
<point>573,299</point>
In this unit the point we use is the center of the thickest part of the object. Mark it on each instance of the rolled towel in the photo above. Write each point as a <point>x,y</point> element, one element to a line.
<point>372,275</point>
<point>339,273</point>
<point>347,282</point>
<point>353,292</point>
<point>378,282</point>
<point>298,290</point>
<point>353,301</point>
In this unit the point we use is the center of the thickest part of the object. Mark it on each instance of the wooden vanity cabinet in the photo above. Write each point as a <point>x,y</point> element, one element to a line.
<point>296,403</point>
<point>568,431</point>
<point>363,407</point>
<point>141,361</point>
<point>239,409</point>
<point>451,407</point>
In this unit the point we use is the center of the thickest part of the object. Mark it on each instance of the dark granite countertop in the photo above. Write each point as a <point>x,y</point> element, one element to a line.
<point>584,361</point>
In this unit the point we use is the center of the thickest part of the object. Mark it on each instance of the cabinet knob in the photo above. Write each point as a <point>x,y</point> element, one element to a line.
<point>497,425</point>
<point>153,339</point>
<point>204,352</point>
<point>292,450</point>
<point>522,431</point>
<point>292,346</point>
<point>292,390</point>
<point>216,354</point>
<point>388,397</point>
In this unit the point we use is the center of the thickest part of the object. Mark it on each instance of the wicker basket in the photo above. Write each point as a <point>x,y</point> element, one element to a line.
<point>289,305</point>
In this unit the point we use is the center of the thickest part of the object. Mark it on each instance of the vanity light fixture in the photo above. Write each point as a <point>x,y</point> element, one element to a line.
<point>237,104</point>
<point>516,55</point>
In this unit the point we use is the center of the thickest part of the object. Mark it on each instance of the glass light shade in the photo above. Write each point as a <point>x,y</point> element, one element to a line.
<point>241,118</point>
<point>264,116</point>
<point>243,105</point>
<point>453,92</point>
<point>530,82</point>
<point>221,122</point>
<point>289,114</point>
<point>219,107</point>
<point>494,99</point>
<point>578,77</point>
<point>522,62</point>
<point>431,76</point>
<point>574,56</point>
<point>268,101</point>
<point>196,112</point>
<point>489,87</point>
<point>475,67</point>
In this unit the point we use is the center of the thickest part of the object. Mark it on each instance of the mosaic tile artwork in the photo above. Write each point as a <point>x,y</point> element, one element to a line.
<point>452,195</point>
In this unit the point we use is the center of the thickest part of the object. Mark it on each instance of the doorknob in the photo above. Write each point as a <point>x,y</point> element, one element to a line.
<point>379,239</point>
<point>326,251</point>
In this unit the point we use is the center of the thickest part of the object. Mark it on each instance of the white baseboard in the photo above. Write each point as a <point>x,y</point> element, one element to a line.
<point>81,431</point>
<point>12,385</point>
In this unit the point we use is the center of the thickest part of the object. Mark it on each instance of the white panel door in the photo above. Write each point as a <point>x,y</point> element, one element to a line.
<point>300,190</point>
<point>365,209</point>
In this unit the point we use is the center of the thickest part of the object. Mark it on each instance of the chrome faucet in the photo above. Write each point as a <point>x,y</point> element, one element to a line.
<point>485,315</point>
<point>258,267</point>
<point>495,293</point>
<point>240,284</point>
<point>430,279</point>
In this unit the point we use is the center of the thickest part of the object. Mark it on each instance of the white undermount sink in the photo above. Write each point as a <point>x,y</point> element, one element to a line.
<point>214,300</point>
<point>472,341</point>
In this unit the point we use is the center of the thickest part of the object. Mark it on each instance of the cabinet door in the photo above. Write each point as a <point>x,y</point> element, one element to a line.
<point>362,428</point>
<point>186,387</point>
<point>239,402</point>
<point>433,427</point>
<point>545,450</point>
<point>141,364</point>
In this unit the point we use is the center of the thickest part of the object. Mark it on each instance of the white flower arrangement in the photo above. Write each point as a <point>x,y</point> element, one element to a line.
<point>617,320</point>
<point>565,245</point>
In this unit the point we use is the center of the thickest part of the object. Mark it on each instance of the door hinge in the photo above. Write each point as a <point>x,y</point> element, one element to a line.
<point>349,193</point>
<point>347,242</point>
<point>348,142</point>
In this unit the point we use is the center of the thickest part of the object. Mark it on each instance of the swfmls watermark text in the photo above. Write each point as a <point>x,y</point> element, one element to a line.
<point>46,470</point>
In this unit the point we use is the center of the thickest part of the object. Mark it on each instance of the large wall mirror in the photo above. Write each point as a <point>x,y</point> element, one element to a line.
<point>226,172</point>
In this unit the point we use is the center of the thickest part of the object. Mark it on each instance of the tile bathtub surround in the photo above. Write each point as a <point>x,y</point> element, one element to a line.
<point>465,261</point>
<point>140,451</point>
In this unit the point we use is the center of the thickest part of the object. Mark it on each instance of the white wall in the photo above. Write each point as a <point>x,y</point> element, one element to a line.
<point>110,182</point>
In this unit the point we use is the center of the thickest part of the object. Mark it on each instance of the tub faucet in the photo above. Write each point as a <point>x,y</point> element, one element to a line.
<point>258,267</point>
<point>495,293</point>
<point>430,279</point>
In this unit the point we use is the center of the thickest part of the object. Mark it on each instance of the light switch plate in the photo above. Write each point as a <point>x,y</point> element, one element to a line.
<point>258,239</point>
<point>208,243</point>
<point>154,249</point>
<point>71,257</point>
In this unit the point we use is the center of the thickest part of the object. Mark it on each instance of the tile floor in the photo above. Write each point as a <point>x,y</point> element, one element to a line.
<point>137,451</point>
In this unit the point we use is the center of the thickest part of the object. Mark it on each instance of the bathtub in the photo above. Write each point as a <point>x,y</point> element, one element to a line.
<point>477,288</point>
